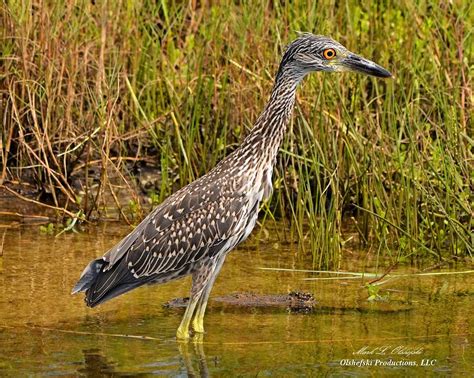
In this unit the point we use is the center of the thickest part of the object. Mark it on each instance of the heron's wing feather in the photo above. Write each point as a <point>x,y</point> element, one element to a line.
<point>178,205</point>
<point>156,252</point>
<point>184,228</point>
<point>187,239</point>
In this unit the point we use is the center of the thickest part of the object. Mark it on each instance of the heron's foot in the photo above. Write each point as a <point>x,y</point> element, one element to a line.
<point>183,333</point>
<point>198,324</point>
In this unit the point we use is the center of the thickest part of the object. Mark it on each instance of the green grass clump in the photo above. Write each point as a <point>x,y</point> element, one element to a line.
<point>89,89</point>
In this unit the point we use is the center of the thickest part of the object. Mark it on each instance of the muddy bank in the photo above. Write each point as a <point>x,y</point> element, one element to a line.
<point>294,301</point>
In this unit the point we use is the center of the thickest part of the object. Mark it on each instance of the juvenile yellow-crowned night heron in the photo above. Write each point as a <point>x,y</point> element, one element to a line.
<point>192,231</point>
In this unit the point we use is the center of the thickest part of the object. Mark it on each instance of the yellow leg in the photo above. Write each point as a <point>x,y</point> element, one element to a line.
<point>203,279</point>
<point>183,329</point>
<point>198,320</point>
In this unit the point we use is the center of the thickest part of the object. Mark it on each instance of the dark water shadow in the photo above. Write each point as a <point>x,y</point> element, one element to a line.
<point>96,364</point>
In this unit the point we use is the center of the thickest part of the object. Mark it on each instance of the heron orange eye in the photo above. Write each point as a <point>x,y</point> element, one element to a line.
<point>329,54</point>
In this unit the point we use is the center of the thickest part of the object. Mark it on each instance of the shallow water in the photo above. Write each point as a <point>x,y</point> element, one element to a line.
<point>46,331</point>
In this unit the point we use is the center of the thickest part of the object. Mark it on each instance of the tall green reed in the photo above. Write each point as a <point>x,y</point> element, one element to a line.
<point>89,89</point>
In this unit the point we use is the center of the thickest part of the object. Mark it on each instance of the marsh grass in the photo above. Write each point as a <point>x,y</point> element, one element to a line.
<point>90,90</point>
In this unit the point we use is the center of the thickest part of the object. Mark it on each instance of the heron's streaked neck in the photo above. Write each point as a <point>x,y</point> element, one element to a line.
<point>267,134</point>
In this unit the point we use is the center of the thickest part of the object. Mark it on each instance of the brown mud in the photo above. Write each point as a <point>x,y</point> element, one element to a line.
<point>294,301</point>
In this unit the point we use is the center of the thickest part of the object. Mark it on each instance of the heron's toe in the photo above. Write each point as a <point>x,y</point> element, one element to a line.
<point>198,327</point>
<point>183,334</point>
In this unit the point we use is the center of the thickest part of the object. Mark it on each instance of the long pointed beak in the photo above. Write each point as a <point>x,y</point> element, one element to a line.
<point>358,64</point>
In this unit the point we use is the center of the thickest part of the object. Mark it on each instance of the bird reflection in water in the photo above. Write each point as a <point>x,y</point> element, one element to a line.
<point>190,361</point>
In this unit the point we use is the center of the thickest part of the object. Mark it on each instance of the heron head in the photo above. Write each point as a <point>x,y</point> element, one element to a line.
<point>309,53</point>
